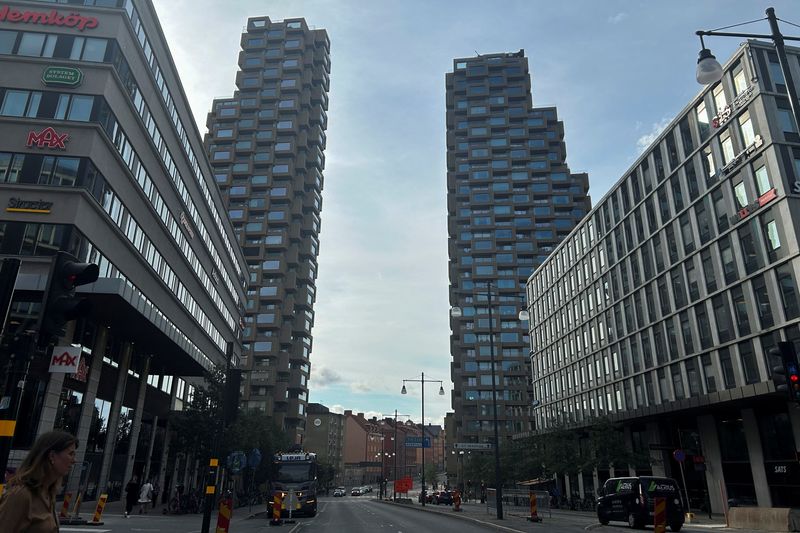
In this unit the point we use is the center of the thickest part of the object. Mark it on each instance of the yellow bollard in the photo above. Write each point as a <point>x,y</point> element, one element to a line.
<point>98,512</point>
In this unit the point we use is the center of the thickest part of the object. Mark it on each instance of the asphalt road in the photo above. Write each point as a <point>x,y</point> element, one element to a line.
<point>361,515</point>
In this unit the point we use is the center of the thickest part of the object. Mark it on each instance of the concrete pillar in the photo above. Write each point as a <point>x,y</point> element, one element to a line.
<point>87,406</point>
<point>150,448</point>
<point>137,418</point>
<point>612,472</point>
<point>656,456</point>
<point>567,486</point>
<point>756,453</point>
<point>113,417</point>
<point>162,473</point>
<point>709,440</point>
<point>629,446</point>
<point>595,482</point>
<point>55,384</point>
<point>580,484</point>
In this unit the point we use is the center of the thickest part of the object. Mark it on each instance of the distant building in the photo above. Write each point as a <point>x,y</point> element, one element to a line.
<point>511,199</point>
<point>660,308</point>
<point>266,145</point>
<point>325,437</point>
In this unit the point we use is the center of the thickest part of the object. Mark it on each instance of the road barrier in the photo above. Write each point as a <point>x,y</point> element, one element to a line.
<point>457,501</point>
<point>660,515</point>
<point>65,506</point>
<point>98,511</point>
<point>519,501</point>
<point>534,503</point>
<point>225,513</point>
<point>277,503</point>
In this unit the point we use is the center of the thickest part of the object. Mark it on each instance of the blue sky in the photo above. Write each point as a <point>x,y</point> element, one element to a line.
<point>618,71</point>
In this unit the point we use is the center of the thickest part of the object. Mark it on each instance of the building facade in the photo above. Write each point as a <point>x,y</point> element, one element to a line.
<point>266,145</point>
<point>658,311</point>
<point>325,437</point>
<point>510,200</point>
<point>100,157</point>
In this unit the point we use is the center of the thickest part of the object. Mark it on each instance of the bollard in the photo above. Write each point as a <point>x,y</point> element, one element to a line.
<point>534,517</point>
<point>457,501</point>
<point>65,506</point>
<point>98,512</point>
<point>277,503</point>
<point>76,509</point>
<point>660,515</point>
<point>225,513</point>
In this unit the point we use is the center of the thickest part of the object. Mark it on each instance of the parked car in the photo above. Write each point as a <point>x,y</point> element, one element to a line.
<point>338,492</point>
<point>356,491</point>
<point>366,488</point>
<point>442,497</point>
<point>632,500</point>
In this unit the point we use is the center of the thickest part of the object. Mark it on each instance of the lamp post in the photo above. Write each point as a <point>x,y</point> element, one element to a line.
<point>422,381</point>
<point>710,71</point>
<point>456,312</point>
<point>394,480</point>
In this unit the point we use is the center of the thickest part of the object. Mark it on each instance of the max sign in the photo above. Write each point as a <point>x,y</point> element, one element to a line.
<point>47,138</point>
<point>65,359</point>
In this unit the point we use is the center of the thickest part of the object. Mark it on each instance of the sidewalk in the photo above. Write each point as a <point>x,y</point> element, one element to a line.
<point>516,519</point>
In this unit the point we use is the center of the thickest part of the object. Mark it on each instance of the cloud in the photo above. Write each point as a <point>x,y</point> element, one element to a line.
<point>616,19</point>
<point>324,376</point>
<point>647,139</point>
<point>361,386</point>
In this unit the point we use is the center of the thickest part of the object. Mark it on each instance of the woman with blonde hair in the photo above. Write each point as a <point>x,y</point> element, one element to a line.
<point>28,503</point>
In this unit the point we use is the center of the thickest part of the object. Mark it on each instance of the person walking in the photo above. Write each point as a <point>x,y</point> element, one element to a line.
<point>145,496</point>
<point>131,495</point>
<point>29,503</point>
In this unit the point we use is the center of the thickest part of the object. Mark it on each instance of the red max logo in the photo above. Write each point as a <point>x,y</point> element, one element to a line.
<point>47,138</point>
<point>65,359</point>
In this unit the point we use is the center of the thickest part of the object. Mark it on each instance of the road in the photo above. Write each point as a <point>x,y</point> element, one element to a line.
<point>360,515</point>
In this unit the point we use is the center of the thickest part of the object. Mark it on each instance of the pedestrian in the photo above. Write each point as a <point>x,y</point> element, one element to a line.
<point>131,495</point>
<point>145,496</point>
<point>29,503</point>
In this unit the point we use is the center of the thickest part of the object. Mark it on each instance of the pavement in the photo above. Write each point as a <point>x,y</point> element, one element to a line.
<point>516,518</point>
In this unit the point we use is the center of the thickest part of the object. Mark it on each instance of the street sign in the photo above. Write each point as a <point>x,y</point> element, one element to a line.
<point>418,442</point>
<point>679,455</point>
<point>62,76</point>
<point>473,445</point>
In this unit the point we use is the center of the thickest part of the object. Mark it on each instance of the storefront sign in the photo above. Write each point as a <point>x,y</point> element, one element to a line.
<point>62,76</point>
<point>65,359</point>
<point>741,157</point>
<point>748,210</point>
<point>47,138</point>
<point>52,18</point>
<point>18,205</point>
<point>730,109</point>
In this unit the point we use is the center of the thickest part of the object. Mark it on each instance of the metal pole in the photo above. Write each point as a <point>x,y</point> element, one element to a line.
<point>423,439</point>
<point>498,480</point>
<point>777,38</point>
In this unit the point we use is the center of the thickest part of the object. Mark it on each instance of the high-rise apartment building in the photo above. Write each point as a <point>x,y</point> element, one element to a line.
<point>659,311</point>
<point>266,145</point>
<point>510,200</point>
<point>100,157</point>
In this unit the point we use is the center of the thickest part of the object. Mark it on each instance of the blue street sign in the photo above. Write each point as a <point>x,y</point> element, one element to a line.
<point>254,459</point>
<point>418,442</point>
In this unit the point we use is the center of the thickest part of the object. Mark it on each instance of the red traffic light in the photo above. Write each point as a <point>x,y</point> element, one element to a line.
<point>794,378</point>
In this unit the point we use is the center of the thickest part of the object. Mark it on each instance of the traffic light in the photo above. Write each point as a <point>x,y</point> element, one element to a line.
<point>60,302</point>
<point>786,375</point>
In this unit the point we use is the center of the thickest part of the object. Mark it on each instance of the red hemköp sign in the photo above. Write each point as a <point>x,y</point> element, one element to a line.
<point>52,18</point>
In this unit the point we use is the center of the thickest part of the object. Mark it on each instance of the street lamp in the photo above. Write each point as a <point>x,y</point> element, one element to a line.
<point>441,393</point>
<point>710,71</point>
<point>456,312</point>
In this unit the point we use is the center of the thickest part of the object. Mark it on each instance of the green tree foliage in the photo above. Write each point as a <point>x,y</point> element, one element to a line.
<point>326,473</point>
<point>255,430</point>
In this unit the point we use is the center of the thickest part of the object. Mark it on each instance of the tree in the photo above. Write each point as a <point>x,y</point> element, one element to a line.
<point>326,473</point>
<point>255,430</point>
<point>430,474</point>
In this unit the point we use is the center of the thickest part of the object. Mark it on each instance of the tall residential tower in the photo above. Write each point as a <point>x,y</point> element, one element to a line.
<point>510,200</point>
<point>266,146</point>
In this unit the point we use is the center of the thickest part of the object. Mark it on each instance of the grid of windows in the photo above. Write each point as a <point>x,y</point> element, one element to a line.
<point>691,271</point>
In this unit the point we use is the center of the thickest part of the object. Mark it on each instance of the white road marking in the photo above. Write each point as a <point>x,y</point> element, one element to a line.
<point>84,530</point>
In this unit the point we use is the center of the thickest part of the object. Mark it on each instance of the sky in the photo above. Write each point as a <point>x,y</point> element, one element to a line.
<point>618,72</point>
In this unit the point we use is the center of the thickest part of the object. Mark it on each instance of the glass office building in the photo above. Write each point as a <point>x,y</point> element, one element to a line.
<point>659,309</point>
<point>266,145</point>
<point>511,198</point>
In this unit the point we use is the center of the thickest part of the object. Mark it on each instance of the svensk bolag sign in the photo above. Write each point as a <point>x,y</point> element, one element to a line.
<point>65,359</point>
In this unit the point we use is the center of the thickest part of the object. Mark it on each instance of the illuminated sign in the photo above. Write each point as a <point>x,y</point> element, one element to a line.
<point>51,18</point>
<point>748,210</point>
<point>47,138</point>
<point>65,359</point>
<point>18,205</point>
<point>62,76</point>
<point>728,111</point>
<point>741,157</point>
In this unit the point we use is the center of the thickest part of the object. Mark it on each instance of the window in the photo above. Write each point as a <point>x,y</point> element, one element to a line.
<point>719,98</point>
<point>727,147</point>
<point>763,184</point>
<point>740,310</point>
<point>722,314</point>
<point>788,289</point>
<point>746,126</point>
<point>728,260</point>
<point>740,193</point>
<point>703,123</point>
<point>749,365</point>
<point>762,302</point>
<point>726,363</point>
<point>771,235</point>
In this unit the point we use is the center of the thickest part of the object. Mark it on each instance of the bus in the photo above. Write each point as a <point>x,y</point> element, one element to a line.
<point>296,481</point>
